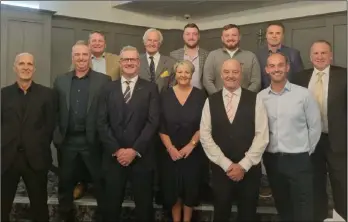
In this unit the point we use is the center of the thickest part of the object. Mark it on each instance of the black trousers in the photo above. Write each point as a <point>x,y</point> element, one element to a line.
<point>245,192</point>
<point>70,157</point>
<point>326,161</point>
<point>36,185</point>
<point>291,180</point>
<point>115,178</point>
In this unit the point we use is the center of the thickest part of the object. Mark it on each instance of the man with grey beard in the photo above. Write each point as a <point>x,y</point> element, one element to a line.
<point>251,78</point>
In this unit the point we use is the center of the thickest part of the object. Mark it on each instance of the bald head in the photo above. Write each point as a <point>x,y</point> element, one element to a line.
<point>24,66</point>
<point>231,74</point>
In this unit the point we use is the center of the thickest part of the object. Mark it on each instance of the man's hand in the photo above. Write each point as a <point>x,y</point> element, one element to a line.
<point>235,172</point>
<point>174,154</point>
<point>125,156</point>
<point>186,151</point>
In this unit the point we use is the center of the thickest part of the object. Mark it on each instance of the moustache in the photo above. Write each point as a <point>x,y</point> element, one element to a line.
<point>276,72</point>
<point>231,79</point>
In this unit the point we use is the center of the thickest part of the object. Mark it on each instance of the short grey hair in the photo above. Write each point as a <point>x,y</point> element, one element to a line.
<point>187,63</point>
<point>129,48</point>
<point>23,54</point>
<point>153,30</point>
<point>78,42</point>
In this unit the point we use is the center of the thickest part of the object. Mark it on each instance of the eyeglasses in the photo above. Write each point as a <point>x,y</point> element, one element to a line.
<point>132,60</point>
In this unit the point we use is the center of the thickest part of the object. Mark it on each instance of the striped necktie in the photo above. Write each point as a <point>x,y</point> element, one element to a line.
<point>229,107</point>
<point>152,69</point>
<point>127,93</point>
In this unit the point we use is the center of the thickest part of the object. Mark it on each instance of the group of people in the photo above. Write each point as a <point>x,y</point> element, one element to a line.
<point>170,120</point>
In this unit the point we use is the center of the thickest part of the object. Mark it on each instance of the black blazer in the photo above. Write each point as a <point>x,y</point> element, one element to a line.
<point>36,126</point>
<point>296,64</point>
<point>62,87</point>
<point>135,128</point>
<point>336,105</point>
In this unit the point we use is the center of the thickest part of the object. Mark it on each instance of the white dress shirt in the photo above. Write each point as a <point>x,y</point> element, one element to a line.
<point>131,84</point>
<point>156,59</point>
<point>254,154</point>
<point>231,53</point>
<point>99,64</point>
<point>311,87</point>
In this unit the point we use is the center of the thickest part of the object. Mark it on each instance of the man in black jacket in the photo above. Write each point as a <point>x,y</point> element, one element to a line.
<point>27,123</point>
<point>76,134</point>
<point>127,123</point>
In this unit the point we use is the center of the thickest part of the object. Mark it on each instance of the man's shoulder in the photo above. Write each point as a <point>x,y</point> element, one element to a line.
<point>100,75</point>
<point>247,53</point>
<point>111,56</point>
<point>177,51</point>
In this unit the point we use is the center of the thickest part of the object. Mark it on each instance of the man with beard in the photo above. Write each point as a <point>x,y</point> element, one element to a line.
<point>275,36</point>
<point>27,124</point>
<point>192,52</point>
<point>127,122</point>
<point>155,67</point>
<point>329,85</point>
<point>251,78</point>
<point>76,135</point>
<point>295,129</point>
<point>234,134</point>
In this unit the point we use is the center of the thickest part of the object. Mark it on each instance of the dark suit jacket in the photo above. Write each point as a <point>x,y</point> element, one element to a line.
<point>62,87</point>
<point>134,129</point>
<point>163,79</point>
<point>296,64</point>
<point>336,105</point>
<point>37,126</point>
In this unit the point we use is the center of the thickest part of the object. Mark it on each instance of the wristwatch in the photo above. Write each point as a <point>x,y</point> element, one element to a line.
<point>194,143</point>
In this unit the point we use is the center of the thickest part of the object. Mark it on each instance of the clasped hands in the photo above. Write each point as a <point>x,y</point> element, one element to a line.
<point>235,172</point>
<point>125,156</point>
<point>176,154</point>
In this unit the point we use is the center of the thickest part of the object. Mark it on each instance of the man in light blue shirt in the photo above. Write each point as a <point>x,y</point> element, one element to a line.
<point>295,128</point>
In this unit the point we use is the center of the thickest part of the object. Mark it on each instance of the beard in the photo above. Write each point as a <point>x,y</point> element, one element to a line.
<point>232,47</point>
<point>191,46</point>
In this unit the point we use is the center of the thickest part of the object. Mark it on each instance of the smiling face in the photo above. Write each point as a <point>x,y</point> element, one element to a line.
<point>96,43</point>
<point>81,57</point>
<point>129,63</point>
<point>231,74</point>
<point>191,37</point>
<point>183,74</point>
<point>152,42</point>
<point>321,55</point>
<point>230,38</point>
<point>274,35</point>
<point>277,67</point>
<point>24,66</point>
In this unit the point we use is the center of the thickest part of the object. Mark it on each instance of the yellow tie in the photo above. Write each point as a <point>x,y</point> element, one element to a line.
<point>319,91</point>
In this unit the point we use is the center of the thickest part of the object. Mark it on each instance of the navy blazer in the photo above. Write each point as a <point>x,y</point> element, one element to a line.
<point>296,64</point>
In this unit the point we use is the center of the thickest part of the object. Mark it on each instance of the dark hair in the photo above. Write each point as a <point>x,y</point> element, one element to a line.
<point>191,25</point>
<point>231,26</point>
<point>276,24</point>
<point>279,53</point>
<point>323,41</point>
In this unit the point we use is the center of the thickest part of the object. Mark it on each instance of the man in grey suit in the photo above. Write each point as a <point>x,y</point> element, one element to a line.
<point>230,38</point>
<point>275,36</point>
<point>155,67</point>
<point>76,134</point>
<point>192,52</point>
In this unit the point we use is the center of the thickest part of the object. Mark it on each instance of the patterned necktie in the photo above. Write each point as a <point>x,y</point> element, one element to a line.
<point>152,70</point>
<point>229,107</point>
<point>319,91</point>
<point>127,93</point>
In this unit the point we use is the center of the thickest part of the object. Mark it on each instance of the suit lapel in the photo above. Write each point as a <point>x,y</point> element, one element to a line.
<point>31,100</point>
<point>144,63</point>
<point>67,86</point>
<point>93,86</point>
<point>306,78</point>
<point>108,64</point>
<point>333,81</point>
<point>161,63</point>
<point>135,95</point>
<point>201,63</point>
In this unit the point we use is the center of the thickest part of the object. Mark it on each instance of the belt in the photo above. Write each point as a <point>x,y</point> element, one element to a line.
<point>286,154</point>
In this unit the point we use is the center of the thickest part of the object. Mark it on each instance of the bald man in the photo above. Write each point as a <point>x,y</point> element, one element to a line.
<point>27,123</point>
<point>234,135</point>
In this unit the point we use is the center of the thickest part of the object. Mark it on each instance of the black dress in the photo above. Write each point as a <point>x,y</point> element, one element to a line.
<point>181,178</point>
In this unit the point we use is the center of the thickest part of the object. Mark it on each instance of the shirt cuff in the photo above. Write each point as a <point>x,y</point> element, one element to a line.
<point>246,164</point>
<point>138,154</point>
<point>225,163</point>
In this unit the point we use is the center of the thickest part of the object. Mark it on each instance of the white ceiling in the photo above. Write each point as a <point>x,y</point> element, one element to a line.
<point>196,9</point>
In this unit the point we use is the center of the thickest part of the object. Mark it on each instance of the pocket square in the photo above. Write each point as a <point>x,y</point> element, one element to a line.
<point>164,74</point>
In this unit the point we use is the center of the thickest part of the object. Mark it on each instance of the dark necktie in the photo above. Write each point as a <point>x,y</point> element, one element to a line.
<point>152,70</point>
<point>127,93</point>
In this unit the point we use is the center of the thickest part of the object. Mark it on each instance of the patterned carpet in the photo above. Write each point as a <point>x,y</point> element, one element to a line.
<point>85,207</point>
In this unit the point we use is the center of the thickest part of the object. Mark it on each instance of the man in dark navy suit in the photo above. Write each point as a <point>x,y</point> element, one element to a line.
<point>275,35</point>
<point>127,123</point>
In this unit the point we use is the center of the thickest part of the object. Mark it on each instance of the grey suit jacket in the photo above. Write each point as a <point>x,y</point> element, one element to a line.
<point>202,53</point>
<point>164,71</point>
<point>62,86</point>
<point>296,64</point>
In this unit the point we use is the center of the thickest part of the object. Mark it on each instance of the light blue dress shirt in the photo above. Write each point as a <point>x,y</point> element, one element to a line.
<point>293,118</point>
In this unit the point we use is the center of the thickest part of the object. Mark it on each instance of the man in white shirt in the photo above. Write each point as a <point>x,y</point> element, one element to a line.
<point>234,134</point>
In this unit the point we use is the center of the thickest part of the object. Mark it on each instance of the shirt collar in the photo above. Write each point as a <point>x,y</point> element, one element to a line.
<point>30,88</point>
<point>325,71</point>
<point>156,56</point>
<point>85,76</point>
<point>185,48</point>
<point>287,87</point>
<point>102,56</point>
<point>278,49</point>
<point>132,80</point>
<point>229,51</point>
<point>227,93</point>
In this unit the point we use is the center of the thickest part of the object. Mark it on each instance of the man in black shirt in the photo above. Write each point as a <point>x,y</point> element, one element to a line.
<point>76,137</point>
<point>27,123</point>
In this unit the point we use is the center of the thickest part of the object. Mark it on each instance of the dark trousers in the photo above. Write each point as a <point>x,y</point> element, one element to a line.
<point>36,185</point>
<point>116,177</point>
<point>68,164</point>
<point>326,161</point>
<point>246,192</point>
<point>291,180</point>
